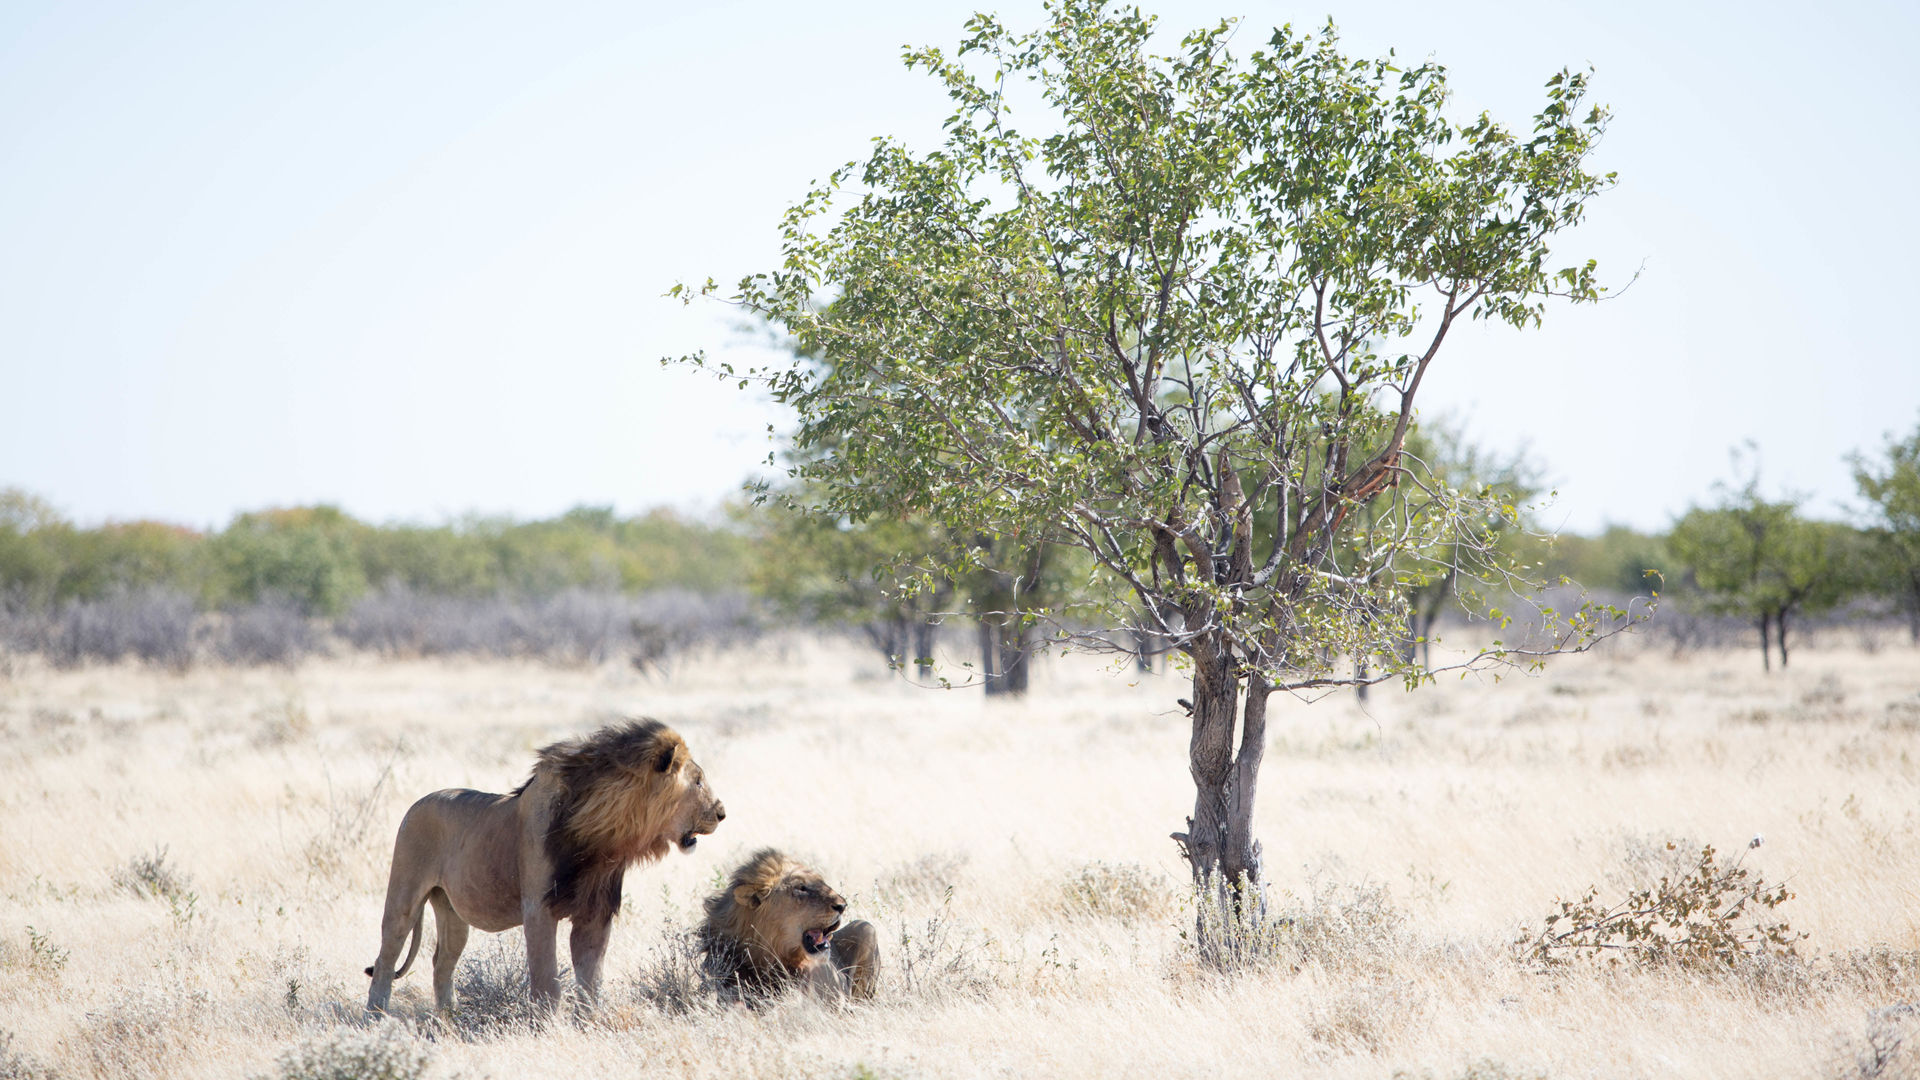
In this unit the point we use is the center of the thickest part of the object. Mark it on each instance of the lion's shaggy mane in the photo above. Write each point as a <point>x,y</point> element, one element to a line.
<point>610,810</point>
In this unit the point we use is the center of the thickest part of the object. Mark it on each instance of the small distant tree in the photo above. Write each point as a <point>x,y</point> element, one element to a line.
<point>1761,559</point>
<point>841,574</point>
<point>1444,574</point>
<point>1165,330</point>
<point>1618,558</point>
<point>1891,486</point>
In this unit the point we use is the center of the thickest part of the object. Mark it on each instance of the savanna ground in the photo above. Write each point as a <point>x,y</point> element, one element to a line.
<point>191,869</point>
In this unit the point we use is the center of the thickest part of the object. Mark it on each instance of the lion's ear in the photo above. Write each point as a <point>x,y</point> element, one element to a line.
<point>668,755</point>
<point>750,896</point>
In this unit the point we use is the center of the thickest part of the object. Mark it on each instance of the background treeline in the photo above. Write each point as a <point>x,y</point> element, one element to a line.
<point>276,585</point>
<point>273,586</point>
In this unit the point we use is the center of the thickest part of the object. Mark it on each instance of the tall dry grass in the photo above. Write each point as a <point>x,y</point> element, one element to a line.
<point>191,869</point>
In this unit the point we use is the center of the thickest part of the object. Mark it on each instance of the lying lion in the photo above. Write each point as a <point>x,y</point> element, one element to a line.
<point>777,924</point>
<point>553,849</point>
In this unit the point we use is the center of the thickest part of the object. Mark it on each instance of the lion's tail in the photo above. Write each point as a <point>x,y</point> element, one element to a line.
<point>413,949</point>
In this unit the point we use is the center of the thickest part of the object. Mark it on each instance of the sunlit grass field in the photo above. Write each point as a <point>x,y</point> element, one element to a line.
<point>191,868</point>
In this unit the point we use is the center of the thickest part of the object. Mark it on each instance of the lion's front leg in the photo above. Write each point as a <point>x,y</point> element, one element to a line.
<point>588,946</point>
<point>543,965</point>
<point>856,958</point>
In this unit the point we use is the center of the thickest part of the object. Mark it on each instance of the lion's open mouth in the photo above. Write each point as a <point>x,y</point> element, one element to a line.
<point>816,941</point>
<point>687,841</point>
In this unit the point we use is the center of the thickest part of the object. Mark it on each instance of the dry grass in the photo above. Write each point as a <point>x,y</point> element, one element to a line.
<point>200,859</point>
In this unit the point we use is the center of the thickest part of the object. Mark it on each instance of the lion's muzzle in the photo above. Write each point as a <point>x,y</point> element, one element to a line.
<point>708,822</point>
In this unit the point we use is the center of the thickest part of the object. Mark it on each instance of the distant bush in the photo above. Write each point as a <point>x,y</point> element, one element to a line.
<point>667,624</point>
<point>307,556</point>
<point>273,631</point>
<point>154,625</point>
<point>573,626</point>
<point>580,588</point>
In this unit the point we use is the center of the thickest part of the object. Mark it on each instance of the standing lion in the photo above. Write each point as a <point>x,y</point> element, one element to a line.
<point>554,849</point>
<point>777,924</point>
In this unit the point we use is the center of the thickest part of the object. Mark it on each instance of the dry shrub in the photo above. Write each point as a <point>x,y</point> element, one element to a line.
<point>1645,858</point>
<point>153,625</point>
<point>1346,928</point>
<point>1878,971</point>
<point>151,877</point>
<point>574,626</point>
<point>274,631</point>
<point>56,731</point>
<point>929,877</point>
<point>386,1051</point>
<point>1889,1049</point>
<point>1339,928</point>
<point>20,1065</point>
<point>671,977</point>
<point>490,988</point>
<point>1365,1020</point>
<point>1484,1069</point>
<point>350,818</point>
<point>669,624</point>
<point>1711,917</point>
<point>1828,693</point>
<point>143,1034</point>
<point>1125,892</point>
<point>1902,715</point>
<point>309,990</point>
<point>283,723</point>
<point>936,958</point>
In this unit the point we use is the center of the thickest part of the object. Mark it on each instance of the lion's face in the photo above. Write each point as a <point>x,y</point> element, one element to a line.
<point>700,810</point>
<point>795,919</point>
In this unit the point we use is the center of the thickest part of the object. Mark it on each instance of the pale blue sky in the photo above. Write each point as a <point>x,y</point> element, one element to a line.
<point>407,257</point>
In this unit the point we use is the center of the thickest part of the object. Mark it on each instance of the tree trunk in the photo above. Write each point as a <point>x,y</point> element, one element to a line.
<point>889,638</point>
<point>1422,622</point>
<point>1218,844</point>
<point>925,634</point>
<point>1766,642</point>
<point>1360,672</point>
<point>1146,646</point>
<point>990,659</point>
<point>1016,649</point>
<point>1782,617</point>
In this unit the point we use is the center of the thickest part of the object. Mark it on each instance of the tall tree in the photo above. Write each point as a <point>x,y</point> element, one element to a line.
<point>1183,331</point>
<point>1891,485</point>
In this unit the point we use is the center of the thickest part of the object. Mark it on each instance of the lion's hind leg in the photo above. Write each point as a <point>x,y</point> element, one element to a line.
<point>856,958</point>
<point>449,940</point>
<point>404,915</point>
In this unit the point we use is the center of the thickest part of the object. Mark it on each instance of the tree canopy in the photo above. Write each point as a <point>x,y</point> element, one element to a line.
<point>1761,559</point>
<point>1891,486</point>
<point>1205,291</point>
